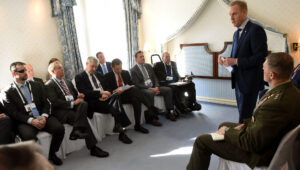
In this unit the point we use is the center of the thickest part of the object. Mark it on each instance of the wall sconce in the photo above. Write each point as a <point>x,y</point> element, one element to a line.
<point>295,46</point>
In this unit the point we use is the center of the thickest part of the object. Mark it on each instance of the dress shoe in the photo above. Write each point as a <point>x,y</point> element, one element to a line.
<point>124,138</point>
<point>170,116</point>
<point>155,122</point>
<point>76,134</point>
<point>54,159</point>
<point>140,128</point>
<point>95,151</point>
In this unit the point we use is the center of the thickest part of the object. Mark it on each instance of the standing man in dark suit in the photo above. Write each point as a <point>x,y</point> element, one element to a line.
<point>69,107</point>
<point>26,103</point>
<point>248,54</point>
<point>92,85</point>
<point>144,78</point>
<point>255,141</point>
<point>166,71</point>
<point>6,132</point>
<point>103,67</point>
<point>119,79</point>
<point>30,74</point>
<point>296,76</point>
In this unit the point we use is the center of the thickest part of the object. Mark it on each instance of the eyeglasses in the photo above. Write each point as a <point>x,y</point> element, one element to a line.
<point>21,71</point>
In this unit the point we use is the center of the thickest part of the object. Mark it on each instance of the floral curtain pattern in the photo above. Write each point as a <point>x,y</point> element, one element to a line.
<point>63,10</point>
<point>132,13</point>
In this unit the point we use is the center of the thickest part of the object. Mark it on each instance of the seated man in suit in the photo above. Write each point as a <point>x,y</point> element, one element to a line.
<point>144,78</point>
<point>30,74</point>
<point>69,107</point>
<point>103,67</point>
<point>255,141</point>
<point>26,103</point>
<point>118,79</point>
<point>166,71</point>
<point>92,85</point>
<point>296,76</point>
<point>6,132</point>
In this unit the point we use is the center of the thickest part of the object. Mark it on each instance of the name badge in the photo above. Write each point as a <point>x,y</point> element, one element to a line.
<point>169,78</point>
<point>29,107</point>
<point>69,98</point>
<point>148,83</point>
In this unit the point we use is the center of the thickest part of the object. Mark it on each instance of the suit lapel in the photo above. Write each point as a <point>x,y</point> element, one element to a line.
<point>243,35</point>
<point>139,72</point>
<point>86,79</point>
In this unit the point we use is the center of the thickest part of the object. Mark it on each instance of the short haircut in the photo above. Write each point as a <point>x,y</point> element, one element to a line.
<point>92,59</point>
<point>20,156</point>
<point>241,4</point>
<point>115,62</point>
<point>52,60</point>
<point>163,55</point>
<point>52,66</point>
<point>282,64</point>
<point>98,53</point>
<point>14,65</point>
<point>135,55</point>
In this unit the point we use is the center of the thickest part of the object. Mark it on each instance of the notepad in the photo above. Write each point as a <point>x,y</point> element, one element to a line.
<point>217,137</point>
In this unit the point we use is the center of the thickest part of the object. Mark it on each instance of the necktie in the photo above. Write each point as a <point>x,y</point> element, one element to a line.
<point>63,85</point>
<point>35,112</point>
<point>235,42</point>
<point>104,69</point>
<point>145,75</point>
<point>120,83</point>
<point>168,70</point>
<point>95,81</point>
<point>296,70</point>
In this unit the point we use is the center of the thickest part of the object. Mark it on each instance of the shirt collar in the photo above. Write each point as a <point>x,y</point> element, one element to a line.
<point>242,26</point>
<point>19,84</point>
<point>57,79</point>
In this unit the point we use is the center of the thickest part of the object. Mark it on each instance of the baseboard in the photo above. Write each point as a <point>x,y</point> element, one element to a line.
<point>217,100</point>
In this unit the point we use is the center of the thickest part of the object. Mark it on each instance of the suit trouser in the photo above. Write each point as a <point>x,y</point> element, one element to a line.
<point>133,96</point>
<point>78,118</point>
<point>166,92</point>
<point>246,103</point>
<point>204,146</point>
<point>104,107</point>
<point>6,132</point>
<point>53,126</point>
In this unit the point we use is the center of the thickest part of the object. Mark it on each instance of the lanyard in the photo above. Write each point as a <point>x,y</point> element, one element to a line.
<point>296,70</point>
<point>170,67</point>
<point>21,94</point>
<point>62,90</point>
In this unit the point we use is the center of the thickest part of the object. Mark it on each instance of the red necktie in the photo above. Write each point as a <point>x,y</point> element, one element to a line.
<point>120,83</point>
<point>65,88</point>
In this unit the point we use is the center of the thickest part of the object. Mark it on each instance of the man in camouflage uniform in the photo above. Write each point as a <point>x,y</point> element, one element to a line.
<point>255,141</point>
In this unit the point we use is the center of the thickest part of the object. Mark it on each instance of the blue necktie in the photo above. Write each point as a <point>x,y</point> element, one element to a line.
<point>35,112</point>
<point>168,70</point>
<point>235,42</point>
<point>104,69</point>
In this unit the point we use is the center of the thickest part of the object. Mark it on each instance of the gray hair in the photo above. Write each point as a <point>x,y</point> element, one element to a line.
<point>52,66</point>
<point>92,59</point>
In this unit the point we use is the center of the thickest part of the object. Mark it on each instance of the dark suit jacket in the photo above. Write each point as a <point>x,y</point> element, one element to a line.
<point>161,73</point>
<point>84,85</point>
<point>38,80</point>
<point>15,107</point>
<point>251,52</point>
<point>57,97</point>
<point>277,114</point>
<point>108,66</point>
<point>296,78</point>
<point>138,79</point>
<point>110,79</point>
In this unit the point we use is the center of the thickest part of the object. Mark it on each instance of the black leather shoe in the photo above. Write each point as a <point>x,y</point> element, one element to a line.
<point>76,134</point>
<point>140,128</point>
<point>124,138</point>
<point>95,151</point>
<point>54,159</point>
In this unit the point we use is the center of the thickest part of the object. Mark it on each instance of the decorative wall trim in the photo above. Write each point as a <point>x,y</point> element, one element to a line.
<point>188,23</point>
<point>217,100</point>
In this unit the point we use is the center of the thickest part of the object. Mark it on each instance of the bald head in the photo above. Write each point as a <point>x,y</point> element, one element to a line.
<point>30,72</point>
